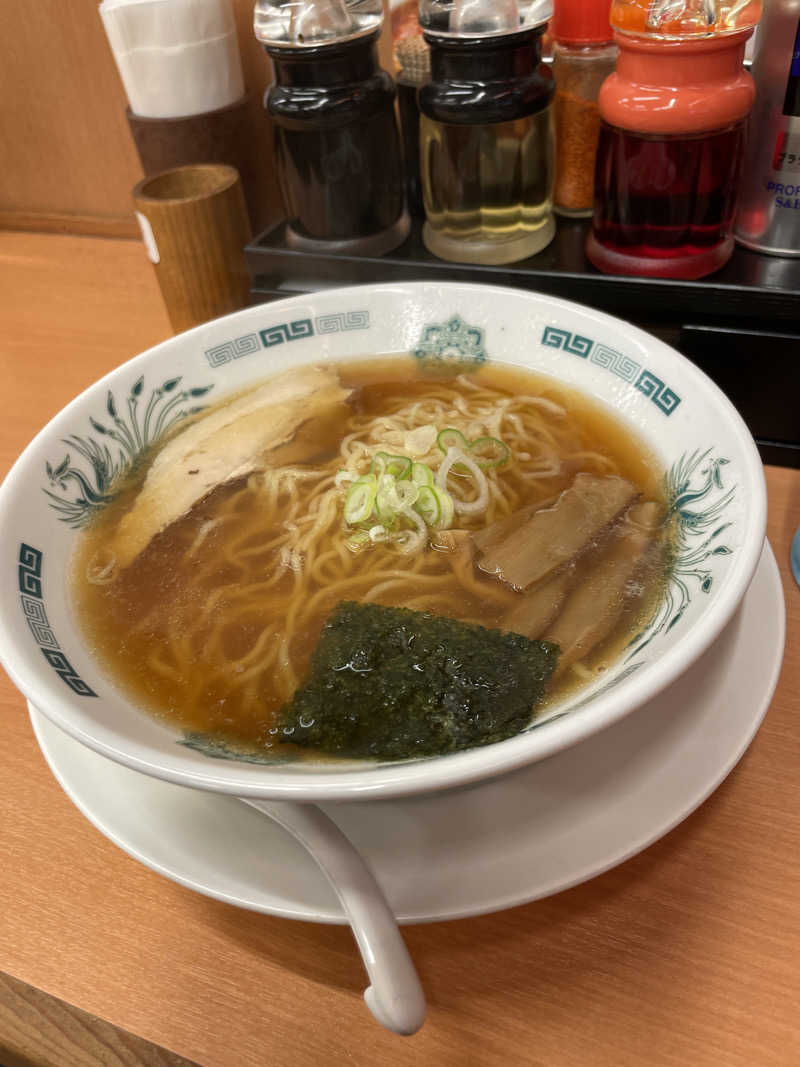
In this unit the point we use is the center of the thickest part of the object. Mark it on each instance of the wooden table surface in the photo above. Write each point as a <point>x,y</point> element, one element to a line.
<point>688,954</point>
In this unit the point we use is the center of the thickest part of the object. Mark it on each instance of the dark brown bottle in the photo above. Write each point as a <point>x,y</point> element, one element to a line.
<point>337,143</point>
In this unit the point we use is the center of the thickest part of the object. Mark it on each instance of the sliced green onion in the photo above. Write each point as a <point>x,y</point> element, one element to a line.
<point>452,438</point>
<point>421,474</point>
<point>407,494</point>
<point>385,463</point>
<point>465,507</point>
<point>360,500</point>
<point>358,540</point>
<point>428,506</point>
<point>447,510</point>
<point>385,506</point>
<point>489,452</point>
<point>401,499</point>
<point>393,498</point>
<point>410,541</point>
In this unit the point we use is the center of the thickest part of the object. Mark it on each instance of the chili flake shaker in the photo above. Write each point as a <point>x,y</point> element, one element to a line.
<point>337,144</point>
<point>584,54</point>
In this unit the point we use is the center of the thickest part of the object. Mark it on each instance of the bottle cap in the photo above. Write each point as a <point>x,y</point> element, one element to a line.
<point>581,22</point>
<point>311,23</point>
<point>683,19</point>
<point>479,19</point>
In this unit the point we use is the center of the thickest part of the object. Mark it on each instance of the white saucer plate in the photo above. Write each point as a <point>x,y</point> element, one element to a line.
<point>467,852</point>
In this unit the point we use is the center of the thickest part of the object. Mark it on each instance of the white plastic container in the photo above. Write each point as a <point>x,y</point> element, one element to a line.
<point>175,57</point>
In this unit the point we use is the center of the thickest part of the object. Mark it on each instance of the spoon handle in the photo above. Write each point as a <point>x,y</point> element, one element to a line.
<point>395,995</point>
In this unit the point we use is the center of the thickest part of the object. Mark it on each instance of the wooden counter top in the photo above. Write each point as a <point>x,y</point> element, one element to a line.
<point>688,954</point>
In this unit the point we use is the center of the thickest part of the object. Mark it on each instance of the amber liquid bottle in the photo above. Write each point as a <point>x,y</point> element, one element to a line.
<point>486,147</point>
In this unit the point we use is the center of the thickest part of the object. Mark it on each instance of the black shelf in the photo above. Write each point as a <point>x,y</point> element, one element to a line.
<point>741,325</point>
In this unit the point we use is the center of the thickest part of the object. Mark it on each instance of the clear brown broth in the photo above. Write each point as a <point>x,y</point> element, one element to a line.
<point>161,586</point>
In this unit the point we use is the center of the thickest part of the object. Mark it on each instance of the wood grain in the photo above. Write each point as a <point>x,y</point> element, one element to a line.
<point>87,225</point>
<point>686,955</point>
<point>39,1030</point>
<point>64,141</point>
<point>198,229</point>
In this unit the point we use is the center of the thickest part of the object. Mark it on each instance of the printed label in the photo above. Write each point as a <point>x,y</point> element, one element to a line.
<point>787,153</point>
<point>785,194</point>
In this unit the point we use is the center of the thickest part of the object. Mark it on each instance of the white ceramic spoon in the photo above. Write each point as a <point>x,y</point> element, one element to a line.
<point>395,995</point>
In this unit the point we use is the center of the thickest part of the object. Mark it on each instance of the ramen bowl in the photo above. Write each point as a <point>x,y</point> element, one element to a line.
<point>714,488</point>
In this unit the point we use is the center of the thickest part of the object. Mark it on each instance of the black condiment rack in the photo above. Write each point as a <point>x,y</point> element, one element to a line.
<point>741,325</point>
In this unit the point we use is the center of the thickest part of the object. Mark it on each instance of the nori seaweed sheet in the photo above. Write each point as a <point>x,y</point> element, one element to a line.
<point>392,683</point>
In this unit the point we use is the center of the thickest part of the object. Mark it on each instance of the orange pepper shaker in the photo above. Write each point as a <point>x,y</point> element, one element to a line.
<point>584,54</point>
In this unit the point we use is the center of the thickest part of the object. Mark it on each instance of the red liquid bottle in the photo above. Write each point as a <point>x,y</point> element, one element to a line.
<point>672,138</point>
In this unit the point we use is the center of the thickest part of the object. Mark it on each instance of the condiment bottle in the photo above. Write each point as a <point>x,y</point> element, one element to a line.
<point>414,57</point>
<point>337,144</point>
<point>768,219</point>
<point>672,139</point>
<point>584,54</point>
<point>486,135</point>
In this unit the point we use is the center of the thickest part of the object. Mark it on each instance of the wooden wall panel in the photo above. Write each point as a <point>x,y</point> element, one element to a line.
<point>68,159</point>
<point>64,141</point>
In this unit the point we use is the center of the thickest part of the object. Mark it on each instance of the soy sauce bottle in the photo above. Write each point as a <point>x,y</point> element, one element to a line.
<point>486,132</point>
<point>337,145</point>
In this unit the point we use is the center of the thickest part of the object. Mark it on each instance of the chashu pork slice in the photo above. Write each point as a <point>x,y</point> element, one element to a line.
<point>594,607</point>
<point>522,554</point>
<point>536,610</point>
<point>233,440</point>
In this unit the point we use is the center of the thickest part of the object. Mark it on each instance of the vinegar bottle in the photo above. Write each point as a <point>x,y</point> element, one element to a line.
<point>337,144</point>
<point>486,135</point>
<point>672,137</point>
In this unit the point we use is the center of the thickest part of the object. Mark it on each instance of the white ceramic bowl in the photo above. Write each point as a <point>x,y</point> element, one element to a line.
<point>715,478</point>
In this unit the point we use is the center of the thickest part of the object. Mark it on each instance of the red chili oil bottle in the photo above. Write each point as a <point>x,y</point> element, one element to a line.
<point>672,138</point>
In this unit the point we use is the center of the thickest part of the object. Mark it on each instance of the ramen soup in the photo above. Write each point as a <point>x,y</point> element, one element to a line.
<point>371,560</point>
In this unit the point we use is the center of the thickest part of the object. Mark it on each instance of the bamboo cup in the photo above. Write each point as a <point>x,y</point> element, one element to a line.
<point>194,224</point>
